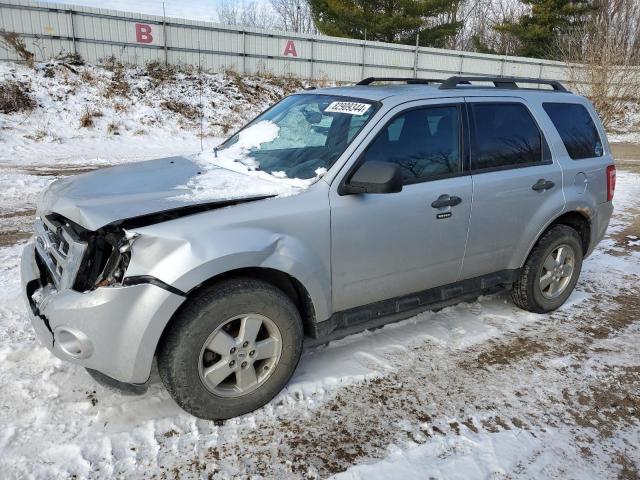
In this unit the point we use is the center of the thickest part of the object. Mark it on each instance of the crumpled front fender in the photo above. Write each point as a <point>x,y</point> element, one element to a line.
<point>188,251</point>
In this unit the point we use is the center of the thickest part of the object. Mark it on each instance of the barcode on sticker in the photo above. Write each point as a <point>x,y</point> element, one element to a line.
<point>350,108</point>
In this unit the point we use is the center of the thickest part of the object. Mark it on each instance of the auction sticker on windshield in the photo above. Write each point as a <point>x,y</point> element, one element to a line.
<point>351,108</point>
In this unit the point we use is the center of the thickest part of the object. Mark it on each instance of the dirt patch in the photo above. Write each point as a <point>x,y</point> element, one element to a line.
<point>625,151</point>
<point>12,237</point>
<point>60,170</point>
<point>633,167</point>
<point>609,404</point>
<point>513,351</point>
<point>608,322</point>
<point>627,240</point>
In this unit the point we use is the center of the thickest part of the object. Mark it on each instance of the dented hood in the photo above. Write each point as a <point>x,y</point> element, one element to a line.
<point>104,196</point>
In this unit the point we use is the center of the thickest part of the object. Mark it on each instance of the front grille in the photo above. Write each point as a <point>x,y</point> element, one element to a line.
<point>60,249</point>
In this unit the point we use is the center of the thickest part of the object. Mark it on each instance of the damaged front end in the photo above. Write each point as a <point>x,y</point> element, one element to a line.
<point>80,259</point>
<point>83,260</point>
<point>107,258</point>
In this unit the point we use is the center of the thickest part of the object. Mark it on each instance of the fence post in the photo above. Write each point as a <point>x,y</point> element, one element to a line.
<point>364,46</point>
<point>164,34</point>
<point>415,58</point>
<point>73,33</point>
<point>244,53</point>
<point>540,71</point>
<point>312,57</point>
<point>502,67</point>
<point>461,63</point>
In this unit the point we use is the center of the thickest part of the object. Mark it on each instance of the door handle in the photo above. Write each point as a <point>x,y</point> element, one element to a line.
<point>542,184</point>
<point>446,201</point>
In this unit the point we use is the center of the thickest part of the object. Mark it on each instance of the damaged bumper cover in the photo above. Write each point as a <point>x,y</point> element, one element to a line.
<point>113,330</point>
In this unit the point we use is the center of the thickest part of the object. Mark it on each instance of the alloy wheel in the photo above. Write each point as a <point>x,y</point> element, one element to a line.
<point>240,355</point>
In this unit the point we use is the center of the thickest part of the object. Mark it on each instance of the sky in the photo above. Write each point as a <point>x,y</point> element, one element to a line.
<point>204,10</point>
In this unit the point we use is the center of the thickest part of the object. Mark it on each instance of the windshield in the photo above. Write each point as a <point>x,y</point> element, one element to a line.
<point>302,136</point>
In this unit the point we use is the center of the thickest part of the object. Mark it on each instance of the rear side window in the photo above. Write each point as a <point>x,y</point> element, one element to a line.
<point>504,135</point>
<point>423,142</point>
<point>576,128</point>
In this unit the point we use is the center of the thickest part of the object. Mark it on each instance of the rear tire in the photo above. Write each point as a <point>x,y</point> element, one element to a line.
<point>231,349</point>
<point>551,271</point>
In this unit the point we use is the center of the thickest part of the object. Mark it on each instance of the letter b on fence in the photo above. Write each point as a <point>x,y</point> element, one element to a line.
<point>143,33</point>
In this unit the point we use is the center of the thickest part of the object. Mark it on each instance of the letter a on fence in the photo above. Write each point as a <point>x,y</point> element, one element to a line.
<point>290,49</point>
<point>143,33</point>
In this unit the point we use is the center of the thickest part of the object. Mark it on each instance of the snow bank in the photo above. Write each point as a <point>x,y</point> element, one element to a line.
<point>163,115</point>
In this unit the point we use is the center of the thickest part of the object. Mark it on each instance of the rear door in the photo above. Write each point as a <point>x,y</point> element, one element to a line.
<point>388,245</point>
<point>517,186</point>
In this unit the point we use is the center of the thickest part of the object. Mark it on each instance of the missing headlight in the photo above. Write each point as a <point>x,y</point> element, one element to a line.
<point>107,258</point>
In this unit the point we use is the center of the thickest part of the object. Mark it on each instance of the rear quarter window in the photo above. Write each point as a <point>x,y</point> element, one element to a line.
<point>576,128</point>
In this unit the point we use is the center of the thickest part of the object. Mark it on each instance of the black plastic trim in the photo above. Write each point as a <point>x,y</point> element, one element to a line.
<point>173,213</point>
<point>149,280</point>
<point>499,82</point>
<point>380,313</point>
<point>407,80</point>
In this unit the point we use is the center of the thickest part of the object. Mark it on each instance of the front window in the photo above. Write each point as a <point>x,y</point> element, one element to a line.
<point>300,137</point>
<point>423,142</point>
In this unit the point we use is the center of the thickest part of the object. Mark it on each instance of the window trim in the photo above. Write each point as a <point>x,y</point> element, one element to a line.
<point>547,157</point>
<point>462,145</point>
<point>593,122</point>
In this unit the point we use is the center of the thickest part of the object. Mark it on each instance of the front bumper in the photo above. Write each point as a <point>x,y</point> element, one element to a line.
<point>114,330</point>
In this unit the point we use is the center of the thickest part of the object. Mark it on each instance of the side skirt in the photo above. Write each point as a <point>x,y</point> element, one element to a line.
<point>377,314</point>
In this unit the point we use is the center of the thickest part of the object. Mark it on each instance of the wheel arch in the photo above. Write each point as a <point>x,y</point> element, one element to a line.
<point>289,285</point>
<point>579,220</point>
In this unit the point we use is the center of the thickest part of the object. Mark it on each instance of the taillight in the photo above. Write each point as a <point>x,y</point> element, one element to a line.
<point>611,182</point>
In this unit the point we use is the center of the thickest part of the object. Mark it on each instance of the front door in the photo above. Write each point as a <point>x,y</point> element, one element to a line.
<point>389,245</point>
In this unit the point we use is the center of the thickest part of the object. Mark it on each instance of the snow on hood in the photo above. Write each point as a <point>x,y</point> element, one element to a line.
<point>131,190</point>
<point>214,184</point>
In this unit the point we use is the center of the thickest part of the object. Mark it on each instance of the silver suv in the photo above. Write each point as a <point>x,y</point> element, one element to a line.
<point>336,210</point>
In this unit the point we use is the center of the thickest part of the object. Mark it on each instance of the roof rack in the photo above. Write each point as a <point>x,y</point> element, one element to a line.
<point>500,82</point>
<point>370,80</point>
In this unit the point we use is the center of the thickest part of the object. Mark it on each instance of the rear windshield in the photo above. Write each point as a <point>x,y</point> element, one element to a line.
<point>576,128</point>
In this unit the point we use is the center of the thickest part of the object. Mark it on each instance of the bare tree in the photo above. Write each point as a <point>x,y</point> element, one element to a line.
<point>603,57</point>
<point>479,17</point>
<point>294,16</point>
<point>248,14</point>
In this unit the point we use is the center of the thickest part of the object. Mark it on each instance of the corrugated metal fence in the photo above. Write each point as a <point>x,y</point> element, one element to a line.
<point>50,28</point>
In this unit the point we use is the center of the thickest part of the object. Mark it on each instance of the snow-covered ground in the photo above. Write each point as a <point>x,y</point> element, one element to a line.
<point>627,128</point>
<point>479,390</point>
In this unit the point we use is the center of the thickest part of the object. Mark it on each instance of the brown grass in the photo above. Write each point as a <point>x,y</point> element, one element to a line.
<point>159,72</point>
<point>118,86</point>
<point>11,41</point>
<point>15,97</point>
<point>113,129</point>
<point>86,119</point>
<point>188,111</point>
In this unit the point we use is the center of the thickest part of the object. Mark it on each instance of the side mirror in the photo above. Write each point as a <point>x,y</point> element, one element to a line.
<point>373,177</point>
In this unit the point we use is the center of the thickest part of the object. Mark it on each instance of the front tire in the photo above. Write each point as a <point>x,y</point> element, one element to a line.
<point>551,271</point>
<point>231,349</point>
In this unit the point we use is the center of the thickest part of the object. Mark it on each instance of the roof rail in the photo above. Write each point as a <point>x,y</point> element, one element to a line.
<point>500,82</point>
<point>370,80</point>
